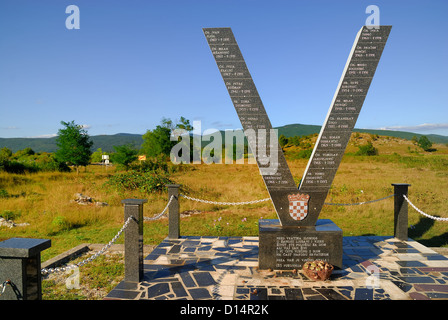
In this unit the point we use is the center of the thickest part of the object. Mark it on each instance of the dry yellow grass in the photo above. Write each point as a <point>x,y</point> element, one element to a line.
<point>43,200</point>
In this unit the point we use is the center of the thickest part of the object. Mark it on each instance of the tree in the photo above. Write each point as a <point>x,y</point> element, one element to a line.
<point>5,154</point>
<point>425,143</point>
<point>73,145</point>
<point>97,156</point>
<point>184,124</point>
<point>157,141</point>
<point>282,140</point>
<point>24,153</point>
<point>125,155</point>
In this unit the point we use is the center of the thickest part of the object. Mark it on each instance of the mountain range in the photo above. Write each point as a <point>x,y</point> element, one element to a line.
<point>106,142</point>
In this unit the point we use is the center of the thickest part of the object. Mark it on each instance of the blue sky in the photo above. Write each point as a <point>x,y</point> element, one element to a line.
<point>133,62</point>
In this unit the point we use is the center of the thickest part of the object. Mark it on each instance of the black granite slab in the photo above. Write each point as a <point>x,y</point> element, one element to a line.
<point>288,248</point>
<point>23,247</point>
<point>249,107</point>
<point>342,115</point>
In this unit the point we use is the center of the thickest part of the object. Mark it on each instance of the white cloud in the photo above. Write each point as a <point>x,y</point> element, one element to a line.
<point>420,127</point>
<point>51,135</point>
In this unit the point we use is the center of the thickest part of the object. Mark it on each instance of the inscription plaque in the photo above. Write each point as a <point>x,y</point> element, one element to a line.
<point>252,114</point>
<point>288,248</point>
<point>342,115</point>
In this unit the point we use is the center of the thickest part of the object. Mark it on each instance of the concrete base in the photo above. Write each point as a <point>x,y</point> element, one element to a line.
<point>288,248</point>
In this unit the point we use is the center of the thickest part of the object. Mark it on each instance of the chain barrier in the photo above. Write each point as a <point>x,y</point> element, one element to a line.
<point>357,204</point>
<point>3,286</point>
<point>160,214</point>
<point>46,271</point>
<point>263,200</point>
<point>421,212</point>
<point>224,203</point>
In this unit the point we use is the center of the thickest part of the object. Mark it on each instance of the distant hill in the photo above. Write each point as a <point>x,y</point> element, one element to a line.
<point>106,142</point>
<point>291,130</point>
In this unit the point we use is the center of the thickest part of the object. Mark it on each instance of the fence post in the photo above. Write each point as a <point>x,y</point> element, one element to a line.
<point>20,264</point>
<point>133,241</point>
<point>173,209</point>
<point>400,211</point>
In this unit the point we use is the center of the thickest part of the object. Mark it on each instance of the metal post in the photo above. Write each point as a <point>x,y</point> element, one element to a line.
<point>400,211</point>
<point>133,241</point>
<point>173,209</point>
<point>20,264</point>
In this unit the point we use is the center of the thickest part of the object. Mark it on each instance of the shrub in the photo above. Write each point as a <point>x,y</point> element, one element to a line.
<point>26,161</point>
<point>157,164</point>
<point>301,154</point>
<point>367,150</point>
<point>425,143</point>
<point>124,155</point>
<point>61,223</point>
<point>4,193</point>
<point>10,215</point>
<point>145,182</point>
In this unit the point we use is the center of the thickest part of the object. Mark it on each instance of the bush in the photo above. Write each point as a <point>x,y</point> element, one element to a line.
<point>10,215</point>
<point>301,154</point>
<point>157,164</point>
<point>124,155</point>
<point>145,182</point>
<point>26,161</point>
<point>61,223</point>
<point>367,150</point>
<point>17,167</point>
<point>425,144</point>
<point>4,193</point>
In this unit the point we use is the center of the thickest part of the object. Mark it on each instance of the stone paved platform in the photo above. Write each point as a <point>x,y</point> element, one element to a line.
<point>226,268</point>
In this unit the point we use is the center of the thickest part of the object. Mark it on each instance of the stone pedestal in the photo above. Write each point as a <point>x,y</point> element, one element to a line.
<point>173,210</point>
<point>20,263</point>
<point>400,211</point>
<point>133,240</point>
<point>288,248</point>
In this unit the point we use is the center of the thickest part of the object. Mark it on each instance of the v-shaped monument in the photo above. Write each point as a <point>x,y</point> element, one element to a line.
<point>298,235</point>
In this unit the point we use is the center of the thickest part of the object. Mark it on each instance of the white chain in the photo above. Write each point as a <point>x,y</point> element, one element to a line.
<point>3,286</point>
<point>421,212</point>
<point>357,204</point>
<point>224,203</point>
<point>45,271</point>
<point>160,214</point>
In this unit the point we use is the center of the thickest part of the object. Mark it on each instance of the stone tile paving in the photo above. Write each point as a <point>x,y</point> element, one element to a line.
<point>226,268</point>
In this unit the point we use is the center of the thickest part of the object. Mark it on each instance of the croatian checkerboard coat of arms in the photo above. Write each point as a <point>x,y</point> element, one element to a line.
<point>298,206</point>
